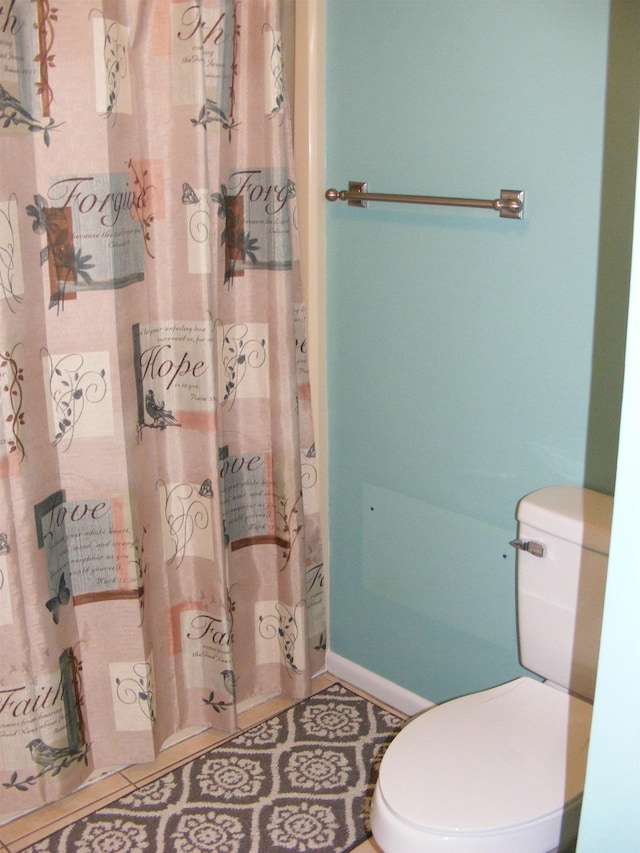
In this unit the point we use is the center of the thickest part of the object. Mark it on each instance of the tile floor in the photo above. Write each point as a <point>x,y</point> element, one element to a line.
<point>29,828</point>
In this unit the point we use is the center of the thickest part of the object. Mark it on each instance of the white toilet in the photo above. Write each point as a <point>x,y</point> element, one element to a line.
<point>502,770</point>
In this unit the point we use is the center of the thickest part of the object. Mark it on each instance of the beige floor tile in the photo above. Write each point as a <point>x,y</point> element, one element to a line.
<point>263,711</point>
<point>35,825</point>
<point>368,846</point>
<point>280,703</point>
<point>174,756</point>
<point>321,682</point>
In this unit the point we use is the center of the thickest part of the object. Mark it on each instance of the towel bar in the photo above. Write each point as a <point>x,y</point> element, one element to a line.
<point>510,205</point>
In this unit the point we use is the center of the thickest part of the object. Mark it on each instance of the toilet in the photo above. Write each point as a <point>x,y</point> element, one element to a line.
<point>502,770</point>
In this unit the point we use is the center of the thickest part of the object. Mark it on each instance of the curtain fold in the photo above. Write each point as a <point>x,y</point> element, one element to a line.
<point>160,551</point>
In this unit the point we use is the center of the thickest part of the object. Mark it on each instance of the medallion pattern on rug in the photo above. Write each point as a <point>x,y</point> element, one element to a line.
<point>300,782</point>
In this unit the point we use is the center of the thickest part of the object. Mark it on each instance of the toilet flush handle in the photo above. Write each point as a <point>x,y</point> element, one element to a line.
<point>535,548</point>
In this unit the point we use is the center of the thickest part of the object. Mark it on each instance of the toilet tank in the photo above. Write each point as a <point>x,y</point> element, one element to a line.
<point>561,593</point>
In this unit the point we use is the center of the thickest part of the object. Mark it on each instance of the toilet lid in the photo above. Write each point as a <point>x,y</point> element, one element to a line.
<point>499,758</point>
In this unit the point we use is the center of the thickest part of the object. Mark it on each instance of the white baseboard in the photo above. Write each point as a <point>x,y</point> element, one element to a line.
<point>381,688</point>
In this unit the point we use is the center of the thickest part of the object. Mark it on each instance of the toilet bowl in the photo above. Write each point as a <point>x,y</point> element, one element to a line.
<point>502,770</point>
<point>499,771</point>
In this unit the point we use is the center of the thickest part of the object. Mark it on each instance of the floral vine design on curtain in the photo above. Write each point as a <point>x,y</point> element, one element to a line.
<point>140,201</point>
<point>72,386</point>
<point>10,273</point>
<point>290,527</point>
<point>283,626</point>
<point>184,515</point>
<point>136,689</point>
<point>141,567</point>
<point>115,58</point>
<point>276,67</point>
<point>13,388</point>
<point>238,353</point>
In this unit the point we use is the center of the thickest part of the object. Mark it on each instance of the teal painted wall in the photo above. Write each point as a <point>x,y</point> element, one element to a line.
<point>471,359</point>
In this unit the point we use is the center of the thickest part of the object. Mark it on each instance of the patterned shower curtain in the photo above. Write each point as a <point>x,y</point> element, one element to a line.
<point>160,557</point>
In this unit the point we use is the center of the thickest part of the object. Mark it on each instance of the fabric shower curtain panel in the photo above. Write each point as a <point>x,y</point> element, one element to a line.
<point>160,556</point>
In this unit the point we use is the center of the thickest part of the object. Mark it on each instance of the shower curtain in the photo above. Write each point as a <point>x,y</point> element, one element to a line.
<point>160,556</point>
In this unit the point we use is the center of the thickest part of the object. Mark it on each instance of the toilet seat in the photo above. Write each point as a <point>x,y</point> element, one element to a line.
<point>501,770</point>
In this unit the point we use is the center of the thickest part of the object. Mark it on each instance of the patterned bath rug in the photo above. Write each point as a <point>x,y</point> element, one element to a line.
<point>299,782</point>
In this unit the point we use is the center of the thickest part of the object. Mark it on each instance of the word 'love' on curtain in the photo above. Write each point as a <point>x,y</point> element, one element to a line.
<point>160,556</point>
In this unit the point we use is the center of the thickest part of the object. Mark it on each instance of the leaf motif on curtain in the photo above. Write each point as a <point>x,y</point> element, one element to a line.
<point>37,212</point>
<point>216,704</point>
<point>13,113</point>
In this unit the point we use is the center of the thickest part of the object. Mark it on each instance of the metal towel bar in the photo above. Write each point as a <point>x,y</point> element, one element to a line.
<point>510,205</point>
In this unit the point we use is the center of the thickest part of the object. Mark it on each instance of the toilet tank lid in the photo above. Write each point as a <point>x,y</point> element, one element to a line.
<point>581,516</point>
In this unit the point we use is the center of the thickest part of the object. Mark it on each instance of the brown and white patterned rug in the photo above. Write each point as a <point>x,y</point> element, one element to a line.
<point>299,782</point>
